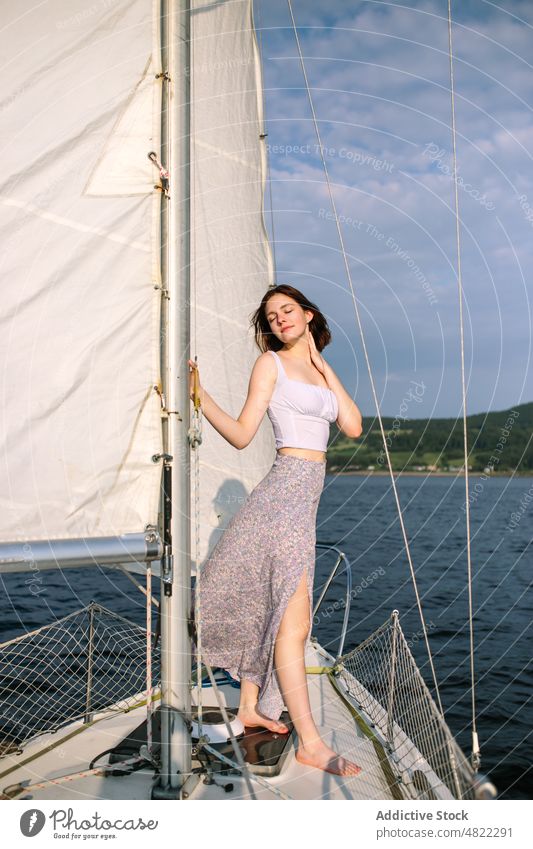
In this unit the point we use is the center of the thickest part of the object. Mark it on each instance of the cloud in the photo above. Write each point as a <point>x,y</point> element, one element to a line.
<point>379,75</point>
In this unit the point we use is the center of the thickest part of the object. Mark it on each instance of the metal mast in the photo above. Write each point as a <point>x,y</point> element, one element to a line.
<point>175,241</point>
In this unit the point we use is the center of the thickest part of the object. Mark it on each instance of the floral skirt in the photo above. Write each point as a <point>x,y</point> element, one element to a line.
<point>253,571</point>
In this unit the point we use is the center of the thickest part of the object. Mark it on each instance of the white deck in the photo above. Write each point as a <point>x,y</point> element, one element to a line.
<point>64,752</point>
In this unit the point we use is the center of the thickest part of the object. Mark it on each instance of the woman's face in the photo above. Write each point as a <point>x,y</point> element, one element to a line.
<point>287,319</point>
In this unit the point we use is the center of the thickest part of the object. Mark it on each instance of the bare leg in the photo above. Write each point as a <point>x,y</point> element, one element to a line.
<point>250,716</point>
<point>289,658</point>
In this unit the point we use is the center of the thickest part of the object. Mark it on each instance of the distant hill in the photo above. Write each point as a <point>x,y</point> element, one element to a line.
<point>502,440</point>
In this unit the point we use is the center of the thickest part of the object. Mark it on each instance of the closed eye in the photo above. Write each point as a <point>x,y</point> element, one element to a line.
<point>285,313</point>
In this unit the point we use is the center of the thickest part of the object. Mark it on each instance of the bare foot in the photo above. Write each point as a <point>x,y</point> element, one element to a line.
<point>252,718</point>
<point>325,758</point>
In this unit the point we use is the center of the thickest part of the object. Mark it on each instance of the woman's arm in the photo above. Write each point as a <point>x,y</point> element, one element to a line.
<point>349,420</point>
<point>240,432</point>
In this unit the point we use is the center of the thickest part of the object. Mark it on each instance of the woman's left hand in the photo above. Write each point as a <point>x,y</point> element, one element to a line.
<point>316,358</point>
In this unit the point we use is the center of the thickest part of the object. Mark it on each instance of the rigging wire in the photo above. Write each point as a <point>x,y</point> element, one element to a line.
<point>195,439</point>
<point>475,743</point>
<point>195,432</point>
<point>149,682</point>
<point>371,378</point>
<point>265,135</point>
<point>348,273</point>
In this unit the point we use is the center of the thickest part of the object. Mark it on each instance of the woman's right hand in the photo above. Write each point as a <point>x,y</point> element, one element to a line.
<point>192,367</point>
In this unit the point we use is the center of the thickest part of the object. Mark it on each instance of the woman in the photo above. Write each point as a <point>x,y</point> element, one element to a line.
<point>256,586</point>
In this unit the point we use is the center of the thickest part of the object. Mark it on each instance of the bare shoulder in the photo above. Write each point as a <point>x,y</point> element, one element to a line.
<point>264,375</point>
<point>265,366</point>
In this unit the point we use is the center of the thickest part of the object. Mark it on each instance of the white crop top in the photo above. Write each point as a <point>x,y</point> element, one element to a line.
<point>300,412</point>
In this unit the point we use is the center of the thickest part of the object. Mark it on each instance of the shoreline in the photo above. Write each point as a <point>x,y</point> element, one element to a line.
<point>367,472</point>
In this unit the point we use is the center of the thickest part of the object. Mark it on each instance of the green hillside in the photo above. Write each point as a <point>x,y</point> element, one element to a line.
<point>502,440</point>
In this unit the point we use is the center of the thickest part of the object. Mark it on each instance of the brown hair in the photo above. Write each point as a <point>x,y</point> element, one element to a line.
<point>266,340</point>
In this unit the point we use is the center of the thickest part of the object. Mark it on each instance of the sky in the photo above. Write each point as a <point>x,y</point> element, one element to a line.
<point>379,75</point>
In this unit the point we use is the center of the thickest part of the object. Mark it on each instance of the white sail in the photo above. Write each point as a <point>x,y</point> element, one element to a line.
<point>79,318</point>
<point>231,259</point>
<point>80,313</point>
